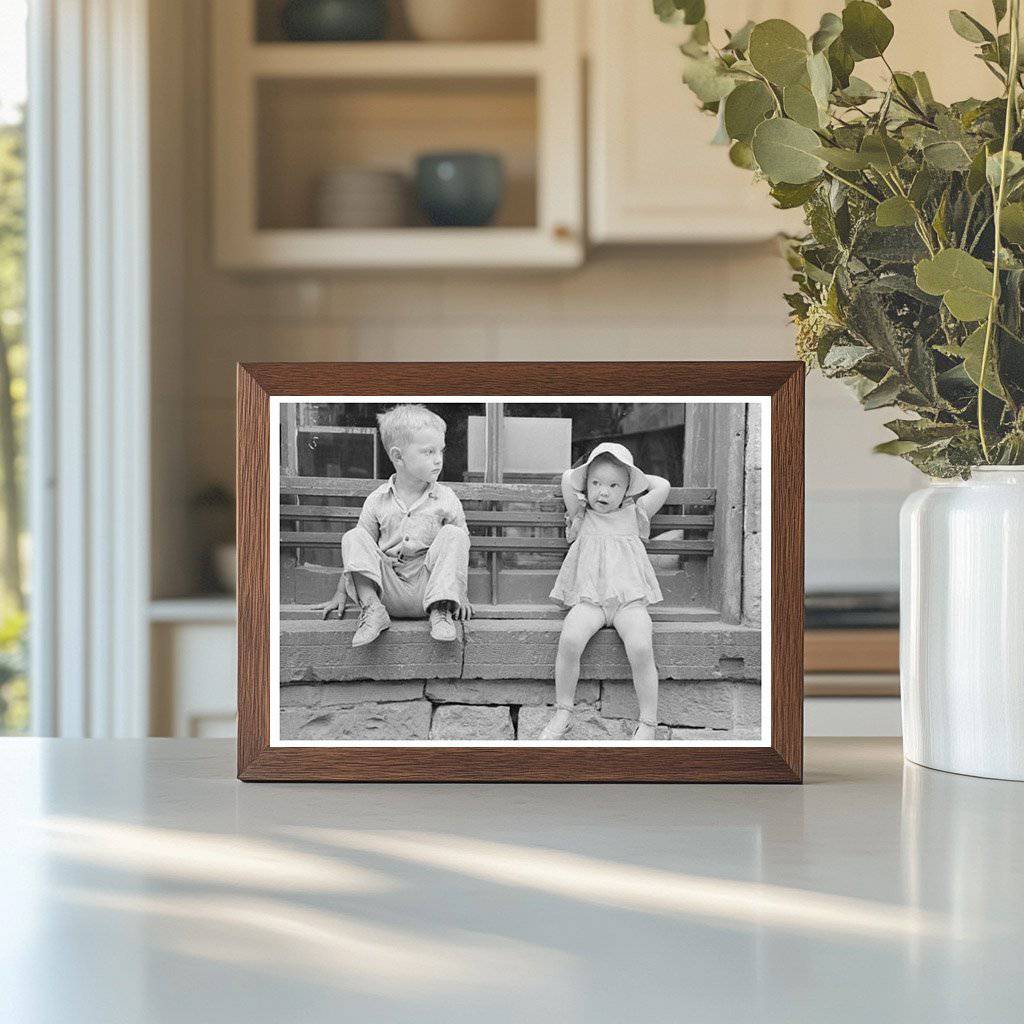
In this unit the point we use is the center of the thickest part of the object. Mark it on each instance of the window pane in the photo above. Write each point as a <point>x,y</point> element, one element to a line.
<point>14,692</point>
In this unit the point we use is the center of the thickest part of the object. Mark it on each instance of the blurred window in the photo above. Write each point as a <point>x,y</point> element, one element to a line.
<point>14,680</point>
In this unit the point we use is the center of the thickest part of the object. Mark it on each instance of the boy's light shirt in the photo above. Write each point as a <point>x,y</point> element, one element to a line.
<point>405,532</point>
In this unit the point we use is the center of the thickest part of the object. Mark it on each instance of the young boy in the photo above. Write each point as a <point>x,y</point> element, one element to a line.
<point>408,556</point>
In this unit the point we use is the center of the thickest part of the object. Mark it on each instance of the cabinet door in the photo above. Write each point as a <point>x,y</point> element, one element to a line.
<point>654,177</point>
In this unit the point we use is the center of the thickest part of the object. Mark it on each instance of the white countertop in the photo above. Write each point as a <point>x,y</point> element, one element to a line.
<point>140,882</point>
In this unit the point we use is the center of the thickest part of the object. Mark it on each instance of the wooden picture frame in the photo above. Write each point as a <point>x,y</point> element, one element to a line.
<point>779,759</point>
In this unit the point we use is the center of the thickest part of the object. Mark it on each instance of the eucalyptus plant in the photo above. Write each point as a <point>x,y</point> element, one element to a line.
<point>902,289</point>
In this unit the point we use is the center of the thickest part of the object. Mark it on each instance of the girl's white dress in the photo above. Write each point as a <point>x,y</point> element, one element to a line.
<point>607,560</point>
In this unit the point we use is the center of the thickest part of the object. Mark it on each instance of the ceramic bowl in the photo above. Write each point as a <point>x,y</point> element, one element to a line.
<point>470,20</point>
<point>333,21</point>
<point>460,189</point>
<point>360,197</point>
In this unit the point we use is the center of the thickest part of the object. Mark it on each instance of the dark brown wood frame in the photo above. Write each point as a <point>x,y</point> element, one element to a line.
<point>782,761</point>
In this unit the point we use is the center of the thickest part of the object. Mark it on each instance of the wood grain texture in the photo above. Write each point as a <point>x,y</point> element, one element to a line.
<point>787,575</point>
<point>781,762</point>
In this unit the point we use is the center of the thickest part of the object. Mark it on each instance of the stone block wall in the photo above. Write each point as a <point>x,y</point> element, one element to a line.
<point>506,709</point>
<point>496,682</point>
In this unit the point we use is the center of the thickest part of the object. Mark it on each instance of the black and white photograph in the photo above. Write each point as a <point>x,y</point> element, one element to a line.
<point>458,571</point>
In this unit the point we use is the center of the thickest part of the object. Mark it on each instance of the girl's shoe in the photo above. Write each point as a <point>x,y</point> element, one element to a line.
<point>644,726</point>
<point>560,723</point>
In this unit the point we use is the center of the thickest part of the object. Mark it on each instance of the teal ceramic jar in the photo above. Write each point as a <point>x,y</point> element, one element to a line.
<point>334,21</point>
<point>460,189</point>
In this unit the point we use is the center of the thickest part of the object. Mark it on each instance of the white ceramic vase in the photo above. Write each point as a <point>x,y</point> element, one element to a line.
<point>962,624</point>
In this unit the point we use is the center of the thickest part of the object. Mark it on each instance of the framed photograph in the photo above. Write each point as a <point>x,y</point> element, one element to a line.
<point>577,572</point>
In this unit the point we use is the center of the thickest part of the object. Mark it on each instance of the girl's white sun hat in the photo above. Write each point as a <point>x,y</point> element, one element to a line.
<point>638,482</point>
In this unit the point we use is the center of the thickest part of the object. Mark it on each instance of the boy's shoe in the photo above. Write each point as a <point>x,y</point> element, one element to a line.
<point>373,620</point>
<point>441,625</point>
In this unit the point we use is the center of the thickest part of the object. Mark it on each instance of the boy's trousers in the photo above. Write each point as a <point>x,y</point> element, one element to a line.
<point>409,587</point>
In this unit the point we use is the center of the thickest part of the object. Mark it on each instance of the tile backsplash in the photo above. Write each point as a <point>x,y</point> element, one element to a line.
<point>708,303</point>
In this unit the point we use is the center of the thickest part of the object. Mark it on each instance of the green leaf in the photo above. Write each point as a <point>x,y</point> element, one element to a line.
<point>857,91</point>
<point>924,88</point>
<point>788,196</point>
<point>829,29</point>
<point>689,12</point>
<point>993,165</point>
<point>819,75</point>
<point>786,151</point>
<point>895,447</point>
<point>976,174</point>
<point>701,34</point>
<point>741,155</point>
<point>739,41</point>
<point>971,352</point>
<point>665,10</point>
<point>866,29</point>
<point>963,281</point>
<point>693,10</point>
<point>895,212</point>
<point>840,61</point>
<point>707,78</point>
<point>922,185</point>
<point>905,84</point>
<point>947,156</point>
<point>923,431</point>
<point>745,108</point>
<point>883,152</point>
<point>885,394</point>
<point>969,28</point>
<point>801,106</point>
<point>939,220</point>
<point>844,159</point>
<point>1011,225</point>
<point>779,51</point>
<point>999,9</point>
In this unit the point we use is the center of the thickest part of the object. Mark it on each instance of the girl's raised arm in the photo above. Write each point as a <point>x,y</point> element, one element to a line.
<point>652,501</point>
<point>573,504</point>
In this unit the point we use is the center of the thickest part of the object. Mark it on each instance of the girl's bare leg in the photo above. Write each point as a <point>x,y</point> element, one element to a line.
<point>581,622</point>
<point>633,624</point>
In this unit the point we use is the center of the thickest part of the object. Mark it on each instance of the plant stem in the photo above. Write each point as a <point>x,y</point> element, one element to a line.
<point>907,99</point>
<point>1011,107</point>
<point>853,185</point>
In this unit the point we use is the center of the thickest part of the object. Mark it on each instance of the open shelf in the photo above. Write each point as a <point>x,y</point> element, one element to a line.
<point>309,127</point>
<point>520,23</point>
<point>287,114</point>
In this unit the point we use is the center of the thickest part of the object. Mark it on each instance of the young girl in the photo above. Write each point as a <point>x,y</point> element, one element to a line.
<point>607,578</point>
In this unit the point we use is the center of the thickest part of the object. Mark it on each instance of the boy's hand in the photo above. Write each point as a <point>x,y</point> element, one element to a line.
<point>335,604</point>
<point>463,613</point>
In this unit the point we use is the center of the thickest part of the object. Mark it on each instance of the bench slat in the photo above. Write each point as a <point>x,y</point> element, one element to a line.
<point>353,487</point>
<point>333,540</point>
<point>350,514</point>
<point>544,612</point>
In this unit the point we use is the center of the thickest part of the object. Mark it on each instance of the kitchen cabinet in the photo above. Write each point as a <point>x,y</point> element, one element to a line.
<point>288,114</point>
<point>653,175</point>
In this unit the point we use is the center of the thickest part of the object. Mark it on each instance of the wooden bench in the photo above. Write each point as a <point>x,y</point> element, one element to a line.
<point>518,543</point>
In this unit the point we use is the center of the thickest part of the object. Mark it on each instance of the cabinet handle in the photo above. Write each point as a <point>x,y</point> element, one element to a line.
<point>562,232</point>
